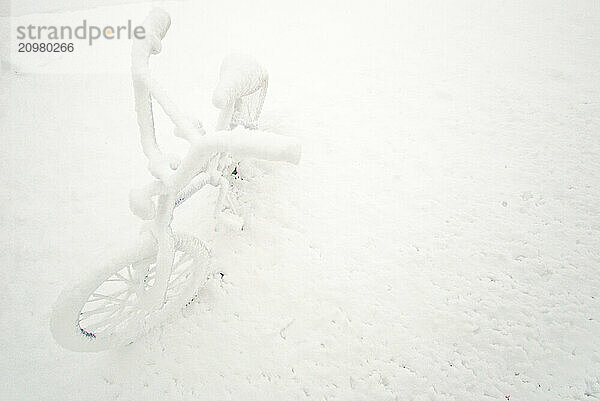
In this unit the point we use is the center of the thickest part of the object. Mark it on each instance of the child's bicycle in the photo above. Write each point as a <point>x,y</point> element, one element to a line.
<point>142,286</point>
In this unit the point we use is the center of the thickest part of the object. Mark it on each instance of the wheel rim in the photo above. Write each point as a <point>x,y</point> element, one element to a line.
<point>114,307</point>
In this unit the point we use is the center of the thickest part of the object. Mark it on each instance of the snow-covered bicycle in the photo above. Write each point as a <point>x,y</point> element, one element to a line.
<point>142,286</point>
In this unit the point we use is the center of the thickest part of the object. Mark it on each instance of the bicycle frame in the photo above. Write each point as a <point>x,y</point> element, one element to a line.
<point>175,181</point>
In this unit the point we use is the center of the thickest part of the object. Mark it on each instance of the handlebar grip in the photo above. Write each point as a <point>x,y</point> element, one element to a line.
<point>156,25</point>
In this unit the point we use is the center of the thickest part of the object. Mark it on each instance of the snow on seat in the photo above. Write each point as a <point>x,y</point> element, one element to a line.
<point>241,89</point>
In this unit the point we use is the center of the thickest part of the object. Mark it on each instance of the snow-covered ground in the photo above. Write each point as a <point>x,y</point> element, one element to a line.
<point>440,239</point>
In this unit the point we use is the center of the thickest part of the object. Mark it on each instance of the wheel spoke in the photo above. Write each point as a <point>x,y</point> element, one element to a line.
<point>89,301</point>
<point>107,297</point>
<point>173,281</point>
<point>102,323</point>
<point>108,319</point>
<point>113,280</point>
<point>120,306</point>
<point>122,278</point>
<point>116,294</point>
<point>86,314</point>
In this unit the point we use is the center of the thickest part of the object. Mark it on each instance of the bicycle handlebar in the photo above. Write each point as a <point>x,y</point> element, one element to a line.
<point>155,25</point>
<point>241,143</point>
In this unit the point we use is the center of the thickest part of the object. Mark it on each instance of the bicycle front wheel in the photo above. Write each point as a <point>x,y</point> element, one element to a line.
<point>104,310</point>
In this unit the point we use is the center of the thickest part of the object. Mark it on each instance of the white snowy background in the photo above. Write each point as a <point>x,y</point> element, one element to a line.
<point>440,239</point>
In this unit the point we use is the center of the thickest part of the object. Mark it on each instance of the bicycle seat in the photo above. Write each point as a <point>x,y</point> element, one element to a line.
<point>239,76</point>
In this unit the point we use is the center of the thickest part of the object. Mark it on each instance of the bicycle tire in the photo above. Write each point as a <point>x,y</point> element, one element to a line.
<point>70,310</point>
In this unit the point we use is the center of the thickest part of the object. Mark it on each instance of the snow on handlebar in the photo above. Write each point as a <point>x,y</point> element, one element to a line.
<point>246,77</point>
<point>156,25</point>
<point>241,143</point>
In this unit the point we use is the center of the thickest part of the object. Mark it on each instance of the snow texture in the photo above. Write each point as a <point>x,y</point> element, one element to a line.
<point>440,239</point>
<point>240,75</point>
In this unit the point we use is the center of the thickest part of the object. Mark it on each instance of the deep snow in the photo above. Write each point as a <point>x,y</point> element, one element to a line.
<point>438,241</point>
